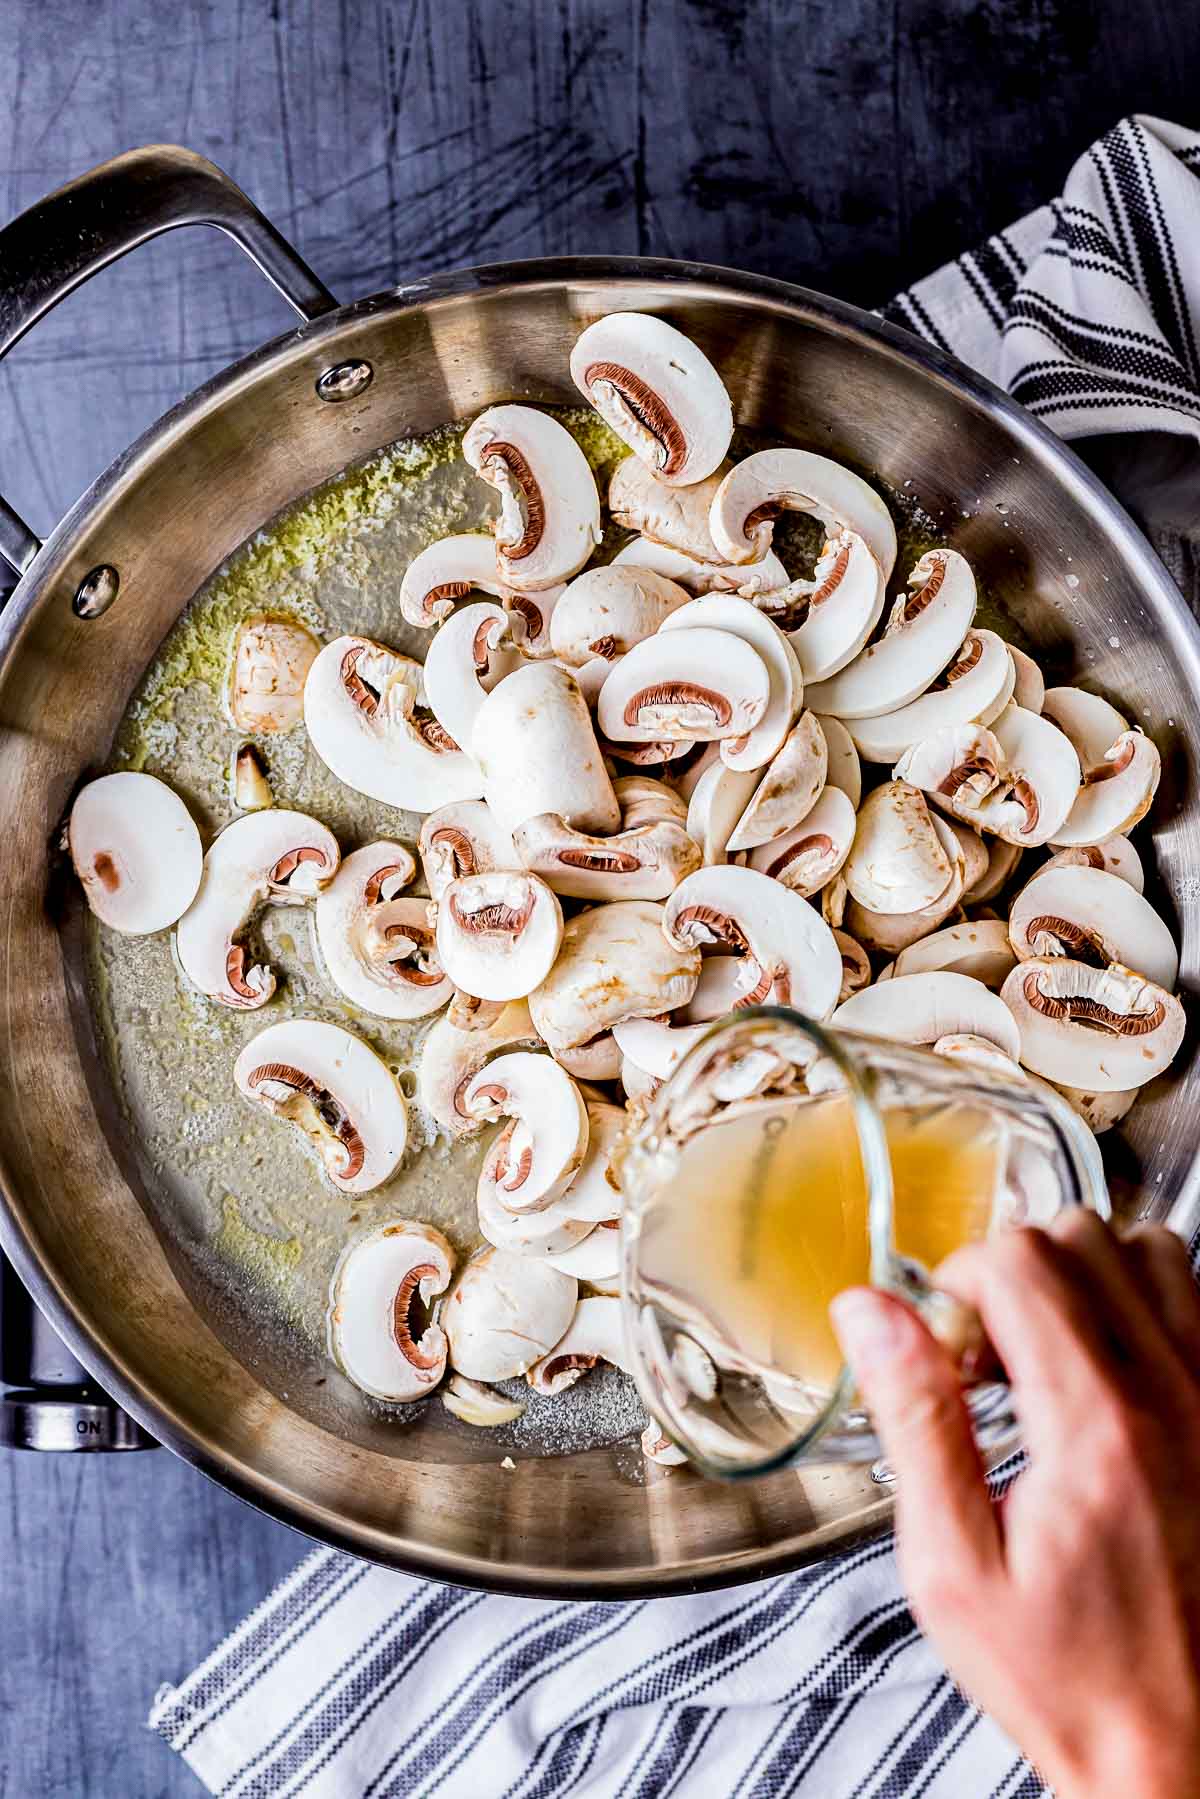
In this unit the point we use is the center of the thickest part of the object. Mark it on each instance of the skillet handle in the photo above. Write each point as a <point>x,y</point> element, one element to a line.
<point>49,251</point>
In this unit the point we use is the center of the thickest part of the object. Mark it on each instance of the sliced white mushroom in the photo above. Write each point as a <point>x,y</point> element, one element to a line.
<point>1099,1111</point>
<point>478,1404</point>
<point>890,932</point>
<point>336,1091</point>
<point>445,573</point>
<point>360,705</point>
<point>637,1083</point>
<point>961,1046</point>
<point>498,933</point>
<point>719,800</point>
<point>682,773</point>
<point>788,789</point>
<point>1104,1029</point>
<point>655,1046</point>
<point>546,1232</point>
<point>594,1195</point>
<point>136,850</point>
<point>549,520</point>
<point>1120,776</point>
<point>264,691</point>
<point>452,1054</point>
<point>248,780</point>
<point>844,770</point>
<point>373,1332</point>
<point>596,1258</point>
<point>1029,689</point>
<point>377,948</point>
<point>467,657</point>
<point>1116,856</point>
<point>595,1334</point>
<point>897,862</point>
<point>605,611</point>
<point>646,801</point>
<point>538,753</point>
<point>978,947</point>
<point>658,1447</point>
<point>504,1312</point>
<point>924,630</point>
<point>920,1008</point>
<point>531,618</point>
<point>976,860</point>
<point>728,612</point>
<point>1092,916</point>
<point>676,517</point>
<point>830,617</point>
<point>698,684</point>
<point>265,858</point>
<point>856,965</point>
<point>975,689</point>
<point>1018,779</point>
<point>808,856</point>
<point>749,578</point>
<point>724,981</point>
<point>546,1139</point>
<point>757,490</point>
<point>599,1060</point>
<point>463,839</point>
<point>796,958</point>
<point>658,391</point>
<point>646,863</point>
<point>1002,860</point>
<point>616,961</point>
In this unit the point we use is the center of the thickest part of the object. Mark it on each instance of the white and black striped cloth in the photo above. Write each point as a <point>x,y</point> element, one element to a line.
<point>349,1682</point>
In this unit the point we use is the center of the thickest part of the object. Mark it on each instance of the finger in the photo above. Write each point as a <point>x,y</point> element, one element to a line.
<point>1123,1311</point>
<point>1160,1265</point>
<point>944,1518</point>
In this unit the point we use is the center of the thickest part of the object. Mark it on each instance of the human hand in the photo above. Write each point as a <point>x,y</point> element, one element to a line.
<point>1070,1611</point>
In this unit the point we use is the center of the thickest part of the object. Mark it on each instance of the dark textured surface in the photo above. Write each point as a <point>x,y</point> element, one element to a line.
<point>852,144</point>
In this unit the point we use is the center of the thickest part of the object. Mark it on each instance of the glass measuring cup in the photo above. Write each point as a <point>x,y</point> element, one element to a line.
<point>781,1162</point>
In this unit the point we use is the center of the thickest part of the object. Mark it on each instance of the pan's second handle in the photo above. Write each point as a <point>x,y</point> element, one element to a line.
<point>49,1401</point>
<point>49,251</point>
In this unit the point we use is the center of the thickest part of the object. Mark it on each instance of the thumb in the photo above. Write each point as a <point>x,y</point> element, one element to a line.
<point>911,1389</point>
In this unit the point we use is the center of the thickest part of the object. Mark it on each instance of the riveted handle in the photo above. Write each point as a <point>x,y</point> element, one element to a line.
<point>49,251</point>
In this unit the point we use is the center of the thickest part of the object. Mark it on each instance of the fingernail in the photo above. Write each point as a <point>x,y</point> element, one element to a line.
<point>869,1327</point>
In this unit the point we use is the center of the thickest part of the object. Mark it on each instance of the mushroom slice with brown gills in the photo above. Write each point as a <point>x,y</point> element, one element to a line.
<point>811,853</point>
<point>605,611</point>
<point>453,1053</point>
<point>658,1447</point>
<point>595,1334</point>
<point>718,801</point>
<point>749,579</point>
<point>530,617</point>
<point>264,690</point>
<point>676,517</point>
<point>1092,917</point>
<point>136,850</point>
<point>616,962</point>
<point>920,1008</point>
<point>504,1312</point>
<point>844,770</point>
<point>467,657</point>
<point>265,858</point>
<point>792,948</point>
<point>726,612</point>
<point>757,490</point>
<point>549,521</point>
<point>975,689</point>
<point>697,685</point>
<point>537,749</point>
<point>646,863</point>
<point>897,862</point>
<point>724,980</point>
<point>336,1090</point>
<point>830,617</point>
<point>1099,1111</point>
<point>646,801</point>
<point>1103,1029</point>
<point>1116,856</point>
<point>924,630</point>
<point>788,789</point>
<point>1017,779</point>
<point>856,965</point>
<point>462,839</point>
<point>498,934</point>
<point>890,932</point>
<point>537,1152</point>
<point>445,573</point>
<point>979,948</point>
<point>361,705</point>
<point>372,1321</point>
<point>1029,689</point>
<point>377,948</point>
<point>1119,776</point>
<point>658,391</point>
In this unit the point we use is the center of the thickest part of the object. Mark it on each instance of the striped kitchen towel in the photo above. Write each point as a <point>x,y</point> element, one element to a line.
<point>350,1682</point>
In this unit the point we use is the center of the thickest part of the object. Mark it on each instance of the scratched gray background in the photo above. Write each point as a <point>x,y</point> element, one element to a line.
<point>852,144</point>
